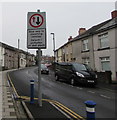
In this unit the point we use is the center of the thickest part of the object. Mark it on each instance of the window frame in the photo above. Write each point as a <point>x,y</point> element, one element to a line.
<point>105,60</point>
<point>85,45</point>
<point>103,38</point>
<point>86,60</point>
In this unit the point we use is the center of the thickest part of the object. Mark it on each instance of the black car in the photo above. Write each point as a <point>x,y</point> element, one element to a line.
<point>44,69</point>
<point>75,73</point>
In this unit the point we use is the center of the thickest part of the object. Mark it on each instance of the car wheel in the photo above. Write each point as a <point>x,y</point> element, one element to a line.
<point>56,77</point>
<point>72,81</point>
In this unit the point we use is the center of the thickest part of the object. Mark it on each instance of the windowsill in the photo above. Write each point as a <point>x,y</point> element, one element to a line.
<point>103,48</point>
<point>84,51</point>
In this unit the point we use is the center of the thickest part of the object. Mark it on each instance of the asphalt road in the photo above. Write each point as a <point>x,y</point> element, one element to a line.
<point>71,96</point>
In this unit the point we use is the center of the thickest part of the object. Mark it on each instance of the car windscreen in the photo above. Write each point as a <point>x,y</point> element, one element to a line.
<point>79,67</point>
<point>88,68</point>
<point>82,67</point>
<point>43,66</point>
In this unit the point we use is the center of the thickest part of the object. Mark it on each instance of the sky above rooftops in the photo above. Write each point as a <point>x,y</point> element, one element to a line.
<point>62,18</point>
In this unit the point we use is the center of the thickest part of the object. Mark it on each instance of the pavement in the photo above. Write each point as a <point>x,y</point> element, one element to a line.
<point>10,107</point>
<point>106,86</point>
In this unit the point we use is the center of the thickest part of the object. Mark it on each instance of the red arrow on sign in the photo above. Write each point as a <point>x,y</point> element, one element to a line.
<point>33,19</point>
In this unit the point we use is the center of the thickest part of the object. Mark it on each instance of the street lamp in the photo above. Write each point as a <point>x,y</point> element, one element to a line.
<point>18,54</point>
<point>53,44</point>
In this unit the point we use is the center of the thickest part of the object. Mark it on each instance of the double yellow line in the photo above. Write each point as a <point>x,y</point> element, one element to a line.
<point>12,85</point>
<point>66,109</point>
<point>61,106</point>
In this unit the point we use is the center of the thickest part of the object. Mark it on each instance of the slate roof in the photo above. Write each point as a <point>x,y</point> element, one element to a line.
<point>106,25</point>
<point>8,46</point>
<point>14,49</point>
<point>109,24</point>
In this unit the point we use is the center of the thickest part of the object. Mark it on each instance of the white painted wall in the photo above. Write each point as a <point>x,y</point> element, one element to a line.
<point>76,48</point>
<point>2,56</point>
<point>103,53</point>
<point>22,60</point>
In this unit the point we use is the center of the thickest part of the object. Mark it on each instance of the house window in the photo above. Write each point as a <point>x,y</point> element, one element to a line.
<point>85,45</point>
<point>105,63</point>
<point>67,50</point>
<point>104,41</point>
<point>86,61</point>
<point>21,61</point>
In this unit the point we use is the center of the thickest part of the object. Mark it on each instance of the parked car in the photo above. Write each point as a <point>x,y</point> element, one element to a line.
<point>75,73</point>
<point>48,64</point>
<point>44,69</point>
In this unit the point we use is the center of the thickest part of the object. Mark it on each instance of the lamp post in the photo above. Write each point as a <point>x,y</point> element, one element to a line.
<point>53,44</point>
<point>18,54</point>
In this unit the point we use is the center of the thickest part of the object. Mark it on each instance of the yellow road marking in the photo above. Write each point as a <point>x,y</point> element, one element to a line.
<point>67,110</point>
<point>25,97</point>
<point>13,86</point>
<point>70,110</point>
<point>62,106</point>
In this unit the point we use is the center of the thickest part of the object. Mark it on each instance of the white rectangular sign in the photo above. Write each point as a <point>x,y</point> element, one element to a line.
<point>36,39</point>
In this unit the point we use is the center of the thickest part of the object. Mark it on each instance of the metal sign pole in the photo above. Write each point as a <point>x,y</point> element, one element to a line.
<point>39,79</point>
<point>36,23</point>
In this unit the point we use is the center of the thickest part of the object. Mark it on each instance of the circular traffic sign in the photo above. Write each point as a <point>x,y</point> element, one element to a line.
<point>36,20</point>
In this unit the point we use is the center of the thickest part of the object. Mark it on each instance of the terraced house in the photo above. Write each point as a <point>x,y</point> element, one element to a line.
<point>96,47</point>
<point>1,56</point>
<point>11,57</point>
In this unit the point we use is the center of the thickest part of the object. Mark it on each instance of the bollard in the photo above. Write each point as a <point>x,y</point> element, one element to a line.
<point>31,91</point>
<point>90,109</point>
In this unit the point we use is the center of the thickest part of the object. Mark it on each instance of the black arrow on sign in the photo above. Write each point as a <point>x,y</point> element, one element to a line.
<point>37,21</point>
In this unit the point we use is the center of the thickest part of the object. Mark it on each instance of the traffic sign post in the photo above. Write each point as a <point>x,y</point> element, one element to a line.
<point>36,39</point>
<point>36,30</point>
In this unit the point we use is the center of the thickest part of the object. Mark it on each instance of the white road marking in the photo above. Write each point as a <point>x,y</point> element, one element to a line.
<point>64,83</point>
<point>60,110</point>
<point>91,92</point>
<point>79,88</point>
<point>105,96</point>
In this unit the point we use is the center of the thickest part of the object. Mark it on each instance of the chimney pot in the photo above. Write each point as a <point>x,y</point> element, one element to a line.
<point>81,30</point>
<point>69,38</point>
<point>114,14</point>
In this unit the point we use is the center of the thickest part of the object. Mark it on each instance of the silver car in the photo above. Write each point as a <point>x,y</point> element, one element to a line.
<point>44,69</point>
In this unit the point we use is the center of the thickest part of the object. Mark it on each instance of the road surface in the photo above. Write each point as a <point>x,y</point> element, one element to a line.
<point>71,96</point>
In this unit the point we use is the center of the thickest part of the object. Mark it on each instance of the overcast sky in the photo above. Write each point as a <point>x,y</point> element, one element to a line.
<point>62,18</point>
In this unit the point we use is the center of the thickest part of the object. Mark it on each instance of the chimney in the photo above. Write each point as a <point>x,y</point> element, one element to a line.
<point>114,14</point>
<point>81,30</point>
<point>69,38</point>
